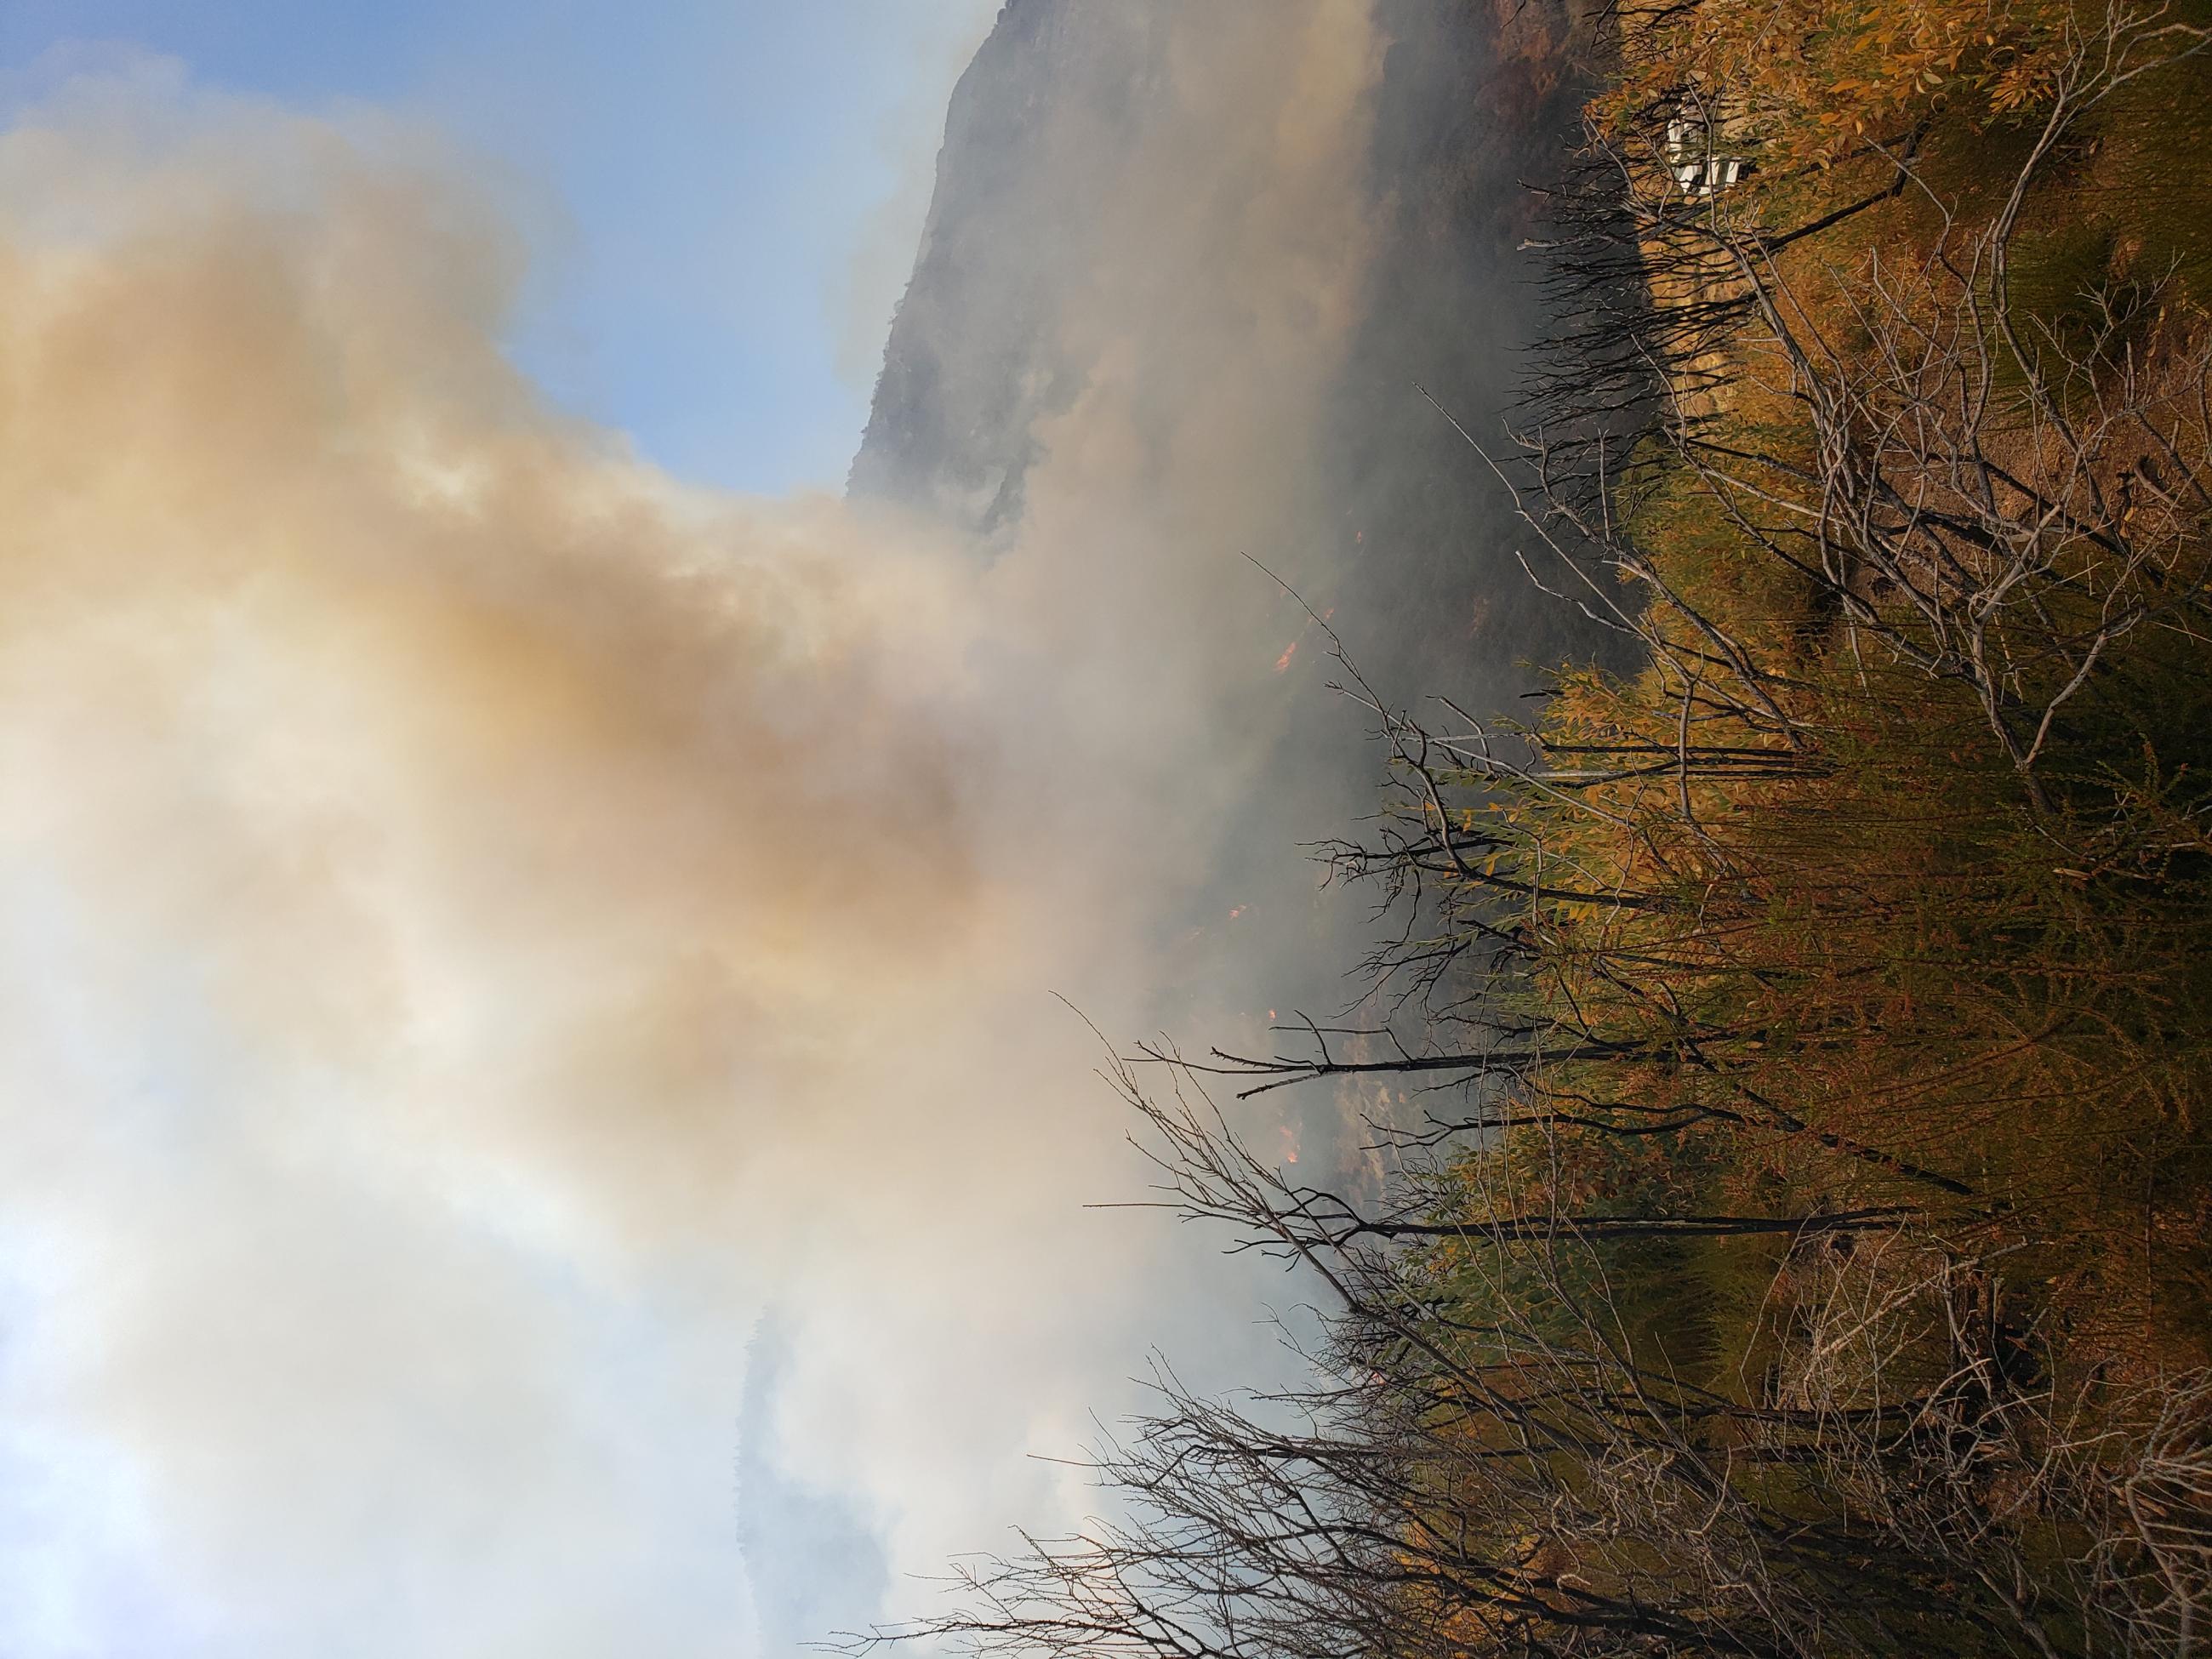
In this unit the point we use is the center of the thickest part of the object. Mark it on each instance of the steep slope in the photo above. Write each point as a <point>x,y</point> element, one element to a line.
<point>1472,101</point>
<point>1053,97</point>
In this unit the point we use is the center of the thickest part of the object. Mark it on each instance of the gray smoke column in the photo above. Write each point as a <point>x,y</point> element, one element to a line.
<point>488,925</point>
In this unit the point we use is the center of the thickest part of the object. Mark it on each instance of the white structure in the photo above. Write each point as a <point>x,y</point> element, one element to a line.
<point>1698,167</point>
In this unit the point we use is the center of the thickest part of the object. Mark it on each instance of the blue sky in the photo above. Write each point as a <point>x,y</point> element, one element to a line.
<point>727,192</point>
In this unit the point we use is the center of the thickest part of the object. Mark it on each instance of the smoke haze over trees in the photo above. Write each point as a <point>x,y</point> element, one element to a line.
<point>501,926</point>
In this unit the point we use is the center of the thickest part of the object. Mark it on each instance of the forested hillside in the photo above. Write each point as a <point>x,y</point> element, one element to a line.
<point>1798,1038</point>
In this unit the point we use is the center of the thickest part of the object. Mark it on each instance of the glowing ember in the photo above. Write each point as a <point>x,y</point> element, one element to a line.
<point>1284,661</point>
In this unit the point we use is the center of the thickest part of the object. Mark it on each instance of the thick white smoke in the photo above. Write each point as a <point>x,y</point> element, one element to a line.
<point>485,922</point>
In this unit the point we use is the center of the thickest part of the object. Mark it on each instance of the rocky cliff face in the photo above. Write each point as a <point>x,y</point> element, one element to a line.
<point>1475,99</point>
<point>1056,94</point>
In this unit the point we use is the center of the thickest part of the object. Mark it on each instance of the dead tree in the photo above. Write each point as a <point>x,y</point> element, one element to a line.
<point>1487,1461</point>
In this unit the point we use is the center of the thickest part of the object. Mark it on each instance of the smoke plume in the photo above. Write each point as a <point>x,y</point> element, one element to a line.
<point>487,923</point>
